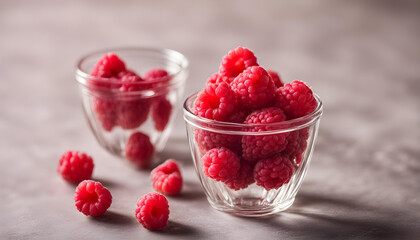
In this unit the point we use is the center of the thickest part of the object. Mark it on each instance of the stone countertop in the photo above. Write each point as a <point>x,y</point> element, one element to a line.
<point>361,57</point>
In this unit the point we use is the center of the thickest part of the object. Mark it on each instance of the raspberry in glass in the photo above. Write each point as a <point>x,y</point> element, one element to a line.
<point>139,149</point>
<point>244,179</point>
<point>272,173</point>
<point>161,112</point>
<point>276,78</point>
<point>221,164</point>
<point>236,61</point>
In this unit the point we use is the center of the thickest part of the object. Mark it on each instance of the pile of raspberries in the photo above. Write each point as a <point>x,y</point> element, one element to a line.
<point>244,92</point>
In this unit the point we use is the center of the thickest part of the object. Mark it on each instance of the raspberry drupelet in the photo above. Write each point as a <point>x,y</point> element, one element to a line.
<point>152,211</point>
<point>139,149</point>
<point>92,199</point>
<point>272,173</point>
<point>221,164</point>
<point>236,61</point>
<point>167,178</point>
<point>75,166</point>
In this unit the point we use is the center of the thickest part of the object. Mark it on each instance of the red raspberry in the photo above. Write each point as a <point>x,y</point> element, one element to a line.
<point>272,173</point>
<point>152,211</point>
<point>255,147</point>
<point>126,73</point>
<point>157,76</point>
<point>75,166</point>
<point>276,78</point>
<point>139,149</point>
<point>215,102</point>
<point>92,199</point>
<point>221,164</point>
<point>108,66</point>
<point>207,140</point>
<point>106,112</point>
<point>253,88</point>
<point>238,115</point>
<point>161,112</point>
<point>216,79</point>
<point>132,83</point>
<point>296,145</point>
<point>244,179</point>
<point>236,61</point>
<point>296,99</point>
<point>166,178</point>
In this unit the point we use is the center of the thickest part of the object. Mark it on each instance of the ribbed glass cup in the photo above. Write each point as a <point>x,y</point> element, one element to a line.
<point>114,115</point>
<point>253,200</point>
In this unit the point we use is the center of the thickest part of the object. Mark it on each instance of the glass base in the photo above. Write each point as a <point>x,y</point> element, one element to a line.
<point>252,207</point>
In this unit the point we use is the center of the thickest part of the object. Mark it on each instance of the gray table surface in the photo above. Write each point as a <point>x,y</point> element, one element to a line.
<point>361,57</point>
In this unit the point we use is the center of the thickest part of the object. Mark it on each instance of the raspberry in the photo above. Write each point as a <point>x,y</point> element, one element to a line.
<point>238,115</point>
<point>75,166</point>
<point>244,179</point>
<point>272,173</point>
<point>139,149</point>
<point>108,66</point>
<point>157,76</point>
<point>106,112</point>
<point>131,83</point>
<point>253,88</point>
<point>126,73</point>
<point>152,211</point>
<point>296,145</point>
<point>236,61</point>
<point>221,164</point>
<point>207,140</point>
<point>215,102</point>
<point>276,78</point>
<point>216,78</point>
<point>296,99</point>
<point>166,178</point>
<point>255,147</point>
<point>92,199</point>
<point>161,112</point>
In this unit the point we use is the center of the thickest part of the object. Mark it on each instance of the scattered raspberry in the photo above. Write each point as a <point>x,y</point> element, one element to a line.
<point>215,102</point>
<point>152,211</point>
<point>161,112</point>
<point>166,178</point>
<point>236,61</point>
<point>106,112</point>
<point>158,76</point>
<point>296,99</point>
<point>255,147</point>
<point>92,199</point>
<point>296,145</point>
<point>253,88</point>
<point>221,164</point>
<point>207,140</point>
<point>139,149</point>
<point>75,166</point>
<point>272,173</point>
<point>244,179</point>
<point>276,78</point>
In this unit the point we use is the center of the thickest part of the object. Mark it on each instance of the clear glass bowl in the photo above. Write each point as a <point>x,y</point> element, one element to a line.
<point>114,115</point>
<point>253,200</point>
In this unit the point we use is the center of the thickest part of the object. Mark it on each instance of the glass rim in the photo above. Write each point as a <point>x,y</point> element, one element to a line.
<point>226,127</point>
<point>165,53</point>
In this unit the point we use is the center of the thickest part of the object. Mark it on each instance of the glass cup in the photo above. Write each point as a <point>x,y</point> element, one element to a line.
<point>114,115</point>
<point>243,194</point>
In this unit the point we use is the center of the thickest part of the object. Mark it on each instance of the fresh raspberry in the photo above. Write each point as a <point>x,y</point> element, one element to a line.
<point>244,179</point>
<point>221,164</point>
<point>161,112</point>
<point>296,99</point>
<point>108,66</point>
<point>152,211</point>
<point>272,173</point>
<point>139,149</point>
<point>296,145</point>
<point>157,76</point>
<point>215,102</point>
<point>132,83</point>
<point>216,78</point>
<point>238,115</point>
<point>92,199</point>
<point>276,78</point>
<point>236,61</point>
<point>126,73</point>
<point>255,147</point>
<point>207,140</point>
<point>253,88</point>
<point>166,178</point>
<point>75,166</point>
<point>105,111</point>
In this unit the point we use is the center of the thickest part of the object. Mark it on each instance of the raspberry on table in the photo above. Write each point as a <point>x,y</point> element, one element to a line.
<point>215,102</point>
<point>92,199</point>
<point>255,147</point>
<point>221,164</point>
<point>167,178</point>
<point>207,140</point>
<point>296,145</point>
<point>244,179</point>
<point>75,166</point>
<point>236,61</point>
<point>152,211</point>
<point>296,99</point>
<point>253,88</point>
<point>276,78</point>
<point>106,112</point>
<point>161,112</point>
<point>139,149</point>
<point>272,173</point>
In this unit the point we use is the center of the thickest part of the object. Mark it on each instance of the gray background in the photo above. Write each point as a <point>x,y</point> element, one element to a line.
<point>361,57</point>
